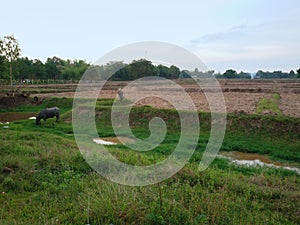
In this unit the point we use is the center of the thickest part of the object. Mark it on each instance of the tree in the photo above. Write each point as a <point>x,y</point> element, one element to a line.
<point>175,71</point>
<point>24,69</point>
<point>292,74</point>
<point>73,69</point>
<point>38,69</point>
<point>114,70</point>
<point>230,74</point>
<point>298,73</point>
<point>141,68</point>
<point>243,75</point>
<point>54,67</point>
<point>9,48</point>
<point>164,71</point>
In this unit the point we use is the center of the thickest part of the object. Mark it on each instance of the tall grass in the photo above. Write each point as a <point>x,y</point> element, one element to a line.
<point>45,180</point>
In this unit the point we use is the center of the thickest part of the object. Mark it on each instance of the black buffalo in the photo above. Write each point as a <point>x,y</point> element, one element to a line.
<point>47,113</point>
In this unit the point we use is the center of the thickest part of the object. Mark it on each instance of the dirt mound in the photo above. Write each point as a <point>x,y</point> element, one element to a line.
<point>10,101</point>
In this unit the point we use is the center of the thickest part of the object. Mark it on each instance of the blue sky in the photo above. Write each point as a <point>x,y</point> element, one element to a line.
<point>244,35</point>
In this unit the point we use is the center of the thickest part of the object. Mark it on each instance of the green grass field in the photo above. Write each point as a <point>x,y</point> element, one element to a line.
<point>45,180</point>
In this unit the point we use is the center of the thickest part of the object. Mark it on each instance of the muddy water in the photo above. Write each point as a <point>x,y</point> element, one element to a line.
<point>250,156</point>
<point>13,116</point>
<point>253,159</point>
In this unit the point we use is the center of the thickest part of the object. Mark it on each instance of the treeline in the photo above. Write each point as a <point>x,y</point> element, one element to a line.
<point>120,71</point>
<point>232,74</point>
<point>277,74</point>
<point>54,68</point>
<point>228,74</point>
<point>58,69</point>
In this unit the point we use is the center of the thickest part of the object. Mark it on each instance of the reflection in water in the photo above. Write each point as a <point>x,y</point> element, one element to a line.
<point>103,142</point>
<point>13,116</point>
<point>255,160</point>
<point>113,140</point>
<point>249,156</point>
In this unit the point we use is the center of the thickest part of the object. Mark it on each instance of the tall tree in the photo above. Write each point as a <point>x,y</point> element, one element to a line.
<point>9,48</point>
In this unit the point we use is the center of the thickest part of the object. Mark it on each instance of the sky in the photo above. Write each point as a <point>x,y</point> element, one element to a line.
<point>245,35</point>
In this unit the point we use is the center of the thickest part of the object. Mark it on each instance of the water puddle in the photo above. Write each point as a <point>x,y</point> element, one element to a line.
<point>254,160</point>
<point>13,116</point>
<point>103,142</point>
<point>113,140</point>
<point>245,156</point>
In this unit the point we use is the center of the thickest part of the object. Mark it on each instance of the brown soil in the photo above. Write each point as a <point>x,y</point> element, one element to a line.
<point>10,102</point>
<point>250,156</point>
<point>241,96</point>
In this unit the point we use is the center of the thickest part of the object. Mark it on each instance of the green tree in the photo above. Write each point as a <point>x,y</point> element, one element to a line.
<point>164,71</point>
<point>141,68</point>
<point>81,66</point>
<point>9,48</point>
<point>68,73</point>
<point>298,73</point>
<point>230,74</point>
<point>115,70</point>
<point>23,68</point>
<point>243,75</point>
<point>74,69</point>
<point>175,72</point>
<point>54,67</point>
<point>292,74</point>
<point>38,69</point>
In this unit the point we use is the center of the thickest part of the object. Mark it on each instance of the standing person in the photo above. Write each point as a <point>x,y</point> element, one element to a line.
<point>120,94</point>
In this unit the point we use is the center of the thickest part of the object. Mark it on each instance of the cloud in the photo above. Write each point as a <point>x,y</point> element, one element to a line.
<point>274,44</point>
<point>221,36</point>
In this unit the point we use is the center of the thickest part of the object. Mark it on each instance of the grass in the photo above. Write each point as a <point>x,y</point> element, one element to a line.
<point>50,182</point>
<point>269,103</point>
